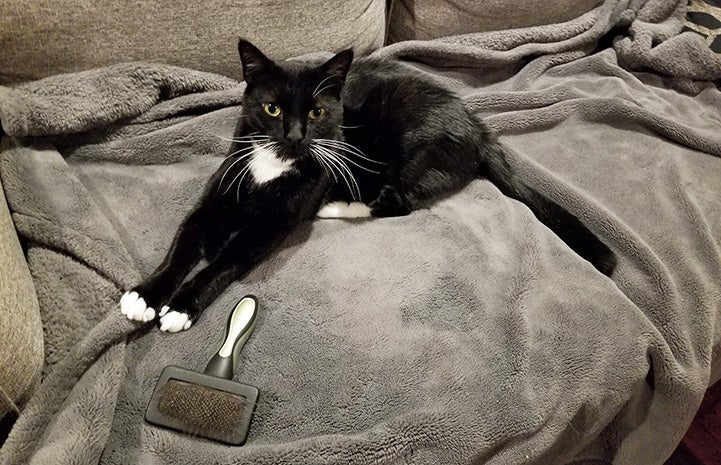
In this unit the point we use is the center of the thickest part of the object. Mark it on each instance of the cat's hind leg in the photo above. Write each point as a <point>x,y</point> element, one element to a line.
<point>391,201</point>
<point>425,173</point>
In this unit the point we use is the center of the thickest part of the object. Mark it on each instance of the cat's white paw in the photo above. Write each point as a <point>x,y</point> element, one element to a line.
<point>344,210</point>
<point>173,321</point>
<point>331,209</point>
<point>358,210</point>
<point>134,307</point>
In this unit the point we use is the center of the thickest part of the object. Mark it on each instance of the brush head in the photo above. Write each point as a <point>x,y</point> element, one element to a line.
<point>201,408</point>
<point>202,405</point>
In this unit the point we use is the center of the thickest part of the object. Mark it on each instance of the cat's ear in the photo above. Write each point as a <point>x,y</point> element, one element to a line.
<point>339,64</point>
<point>253,60</point>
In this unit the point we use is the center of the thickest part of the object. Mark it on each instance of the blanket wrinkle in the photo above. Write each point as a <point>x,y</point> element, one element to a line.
<point>625,113</point>
<point>100,97</point>
<point>464,333</point>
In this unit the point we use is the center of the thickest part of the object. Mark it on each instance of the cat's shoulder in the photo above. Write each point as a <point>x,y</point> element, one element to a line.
<point>378,66</point>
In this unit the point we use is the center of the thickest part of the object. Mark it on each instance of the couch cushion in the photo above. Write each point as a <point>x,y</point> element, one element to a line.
<point>21,332</point>
<point>46,37</point>
<point>430,19</point>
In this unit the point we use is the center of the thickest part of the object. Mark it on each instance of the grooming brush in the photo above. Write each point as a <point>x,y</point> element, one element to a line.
<point>210,404</point>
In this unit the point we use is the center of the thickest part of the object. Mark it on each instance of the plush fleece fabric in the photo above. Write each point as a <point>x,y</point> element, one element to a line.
<point>465,333</point>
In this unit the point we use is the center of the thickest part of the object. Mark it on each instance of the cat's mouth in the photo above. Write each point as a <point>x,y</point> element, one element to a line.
<point>293,151</point>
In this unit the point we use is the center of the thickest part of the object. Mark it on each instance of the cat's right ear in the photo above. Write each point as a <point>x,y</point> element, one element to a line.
<point>253,60</point>
<point>339,64</point>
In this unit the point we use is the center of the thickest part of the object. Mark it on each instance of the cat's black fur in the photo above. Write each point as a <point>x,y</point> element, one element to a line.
<point>432,146</point>
<point>417,136</point>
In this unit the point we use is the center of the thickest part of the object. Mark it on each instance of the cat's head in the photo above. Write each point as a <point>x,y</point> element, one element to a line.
<point>293,103</point>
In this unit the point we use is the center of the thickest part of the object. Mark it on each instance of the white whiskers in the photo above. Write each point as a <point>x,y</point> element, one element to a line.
<point>335,164</point>
<point>347,148</point>
<point>351,127</point>
<point>324,164</point>
<point>248,152</point>
<point>334,156</point>
<point>317,92</point>
<point>250,147</point>
<point>252,137</point>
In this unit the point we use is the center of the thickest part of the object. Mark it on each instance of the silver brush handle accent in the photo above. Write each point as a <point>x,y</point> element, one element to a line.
<point>241,323</point>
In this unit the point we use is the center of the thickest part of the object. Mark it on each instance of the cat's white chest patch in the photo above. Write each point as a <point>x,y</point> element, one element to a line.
<point>265,165</point>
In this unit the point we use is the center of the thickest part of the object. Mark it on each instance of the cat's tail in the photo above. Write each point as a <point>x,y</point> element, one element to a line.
<point>570,229</point>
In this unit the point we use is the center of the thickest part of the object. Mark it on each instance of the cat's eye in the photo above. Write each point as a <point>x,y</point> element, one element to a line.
<point>272,109</point>
<point>316,113</point>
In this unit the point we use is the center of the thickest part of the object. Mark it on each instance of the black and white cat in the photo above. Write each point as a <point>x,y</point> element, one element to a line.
<point>371,130</point>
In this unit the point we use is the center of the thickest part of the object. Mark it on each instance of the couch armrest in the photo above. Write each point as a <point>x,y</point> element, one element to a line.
<point>21,332</point>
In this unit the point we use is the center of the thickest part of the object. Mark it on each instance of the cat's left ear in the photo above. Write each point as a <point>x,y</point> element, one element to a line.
<point>339,64</point>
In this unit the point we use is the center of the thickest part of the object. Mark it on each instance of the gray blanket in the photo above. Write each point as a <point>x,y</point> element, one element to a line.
<point>466,333</point>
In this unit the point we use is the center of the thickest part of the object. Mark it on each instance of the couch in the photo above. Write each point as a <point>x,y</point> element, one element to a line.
<point>45,39</point>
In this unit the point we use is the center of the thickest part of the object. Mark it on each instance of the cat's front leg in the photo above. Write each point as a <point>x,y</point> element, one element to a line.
<point>342,209</point>
<point>240,255</point>
<point>339,204</point>
<point>142,302</point>
<point>194,296</point>
<point>388,203</point>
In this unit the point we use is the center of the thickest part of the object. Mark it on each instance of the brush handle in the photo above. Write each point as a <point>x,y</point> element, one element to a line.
<point>241,323</point>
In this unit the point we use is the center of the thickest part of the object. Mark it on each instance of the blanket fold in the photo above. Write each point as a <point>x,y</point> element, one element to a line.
<point>66,104</point>
<point>463,333</point>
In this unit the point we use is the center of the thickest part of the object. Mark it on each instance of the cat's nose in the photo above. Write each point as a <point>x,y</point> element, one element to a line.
<point>295,134</point>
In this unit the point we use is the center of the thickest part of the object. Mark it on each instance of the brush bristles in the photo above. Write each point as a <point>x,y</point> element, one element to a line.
<point>202,410</point>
